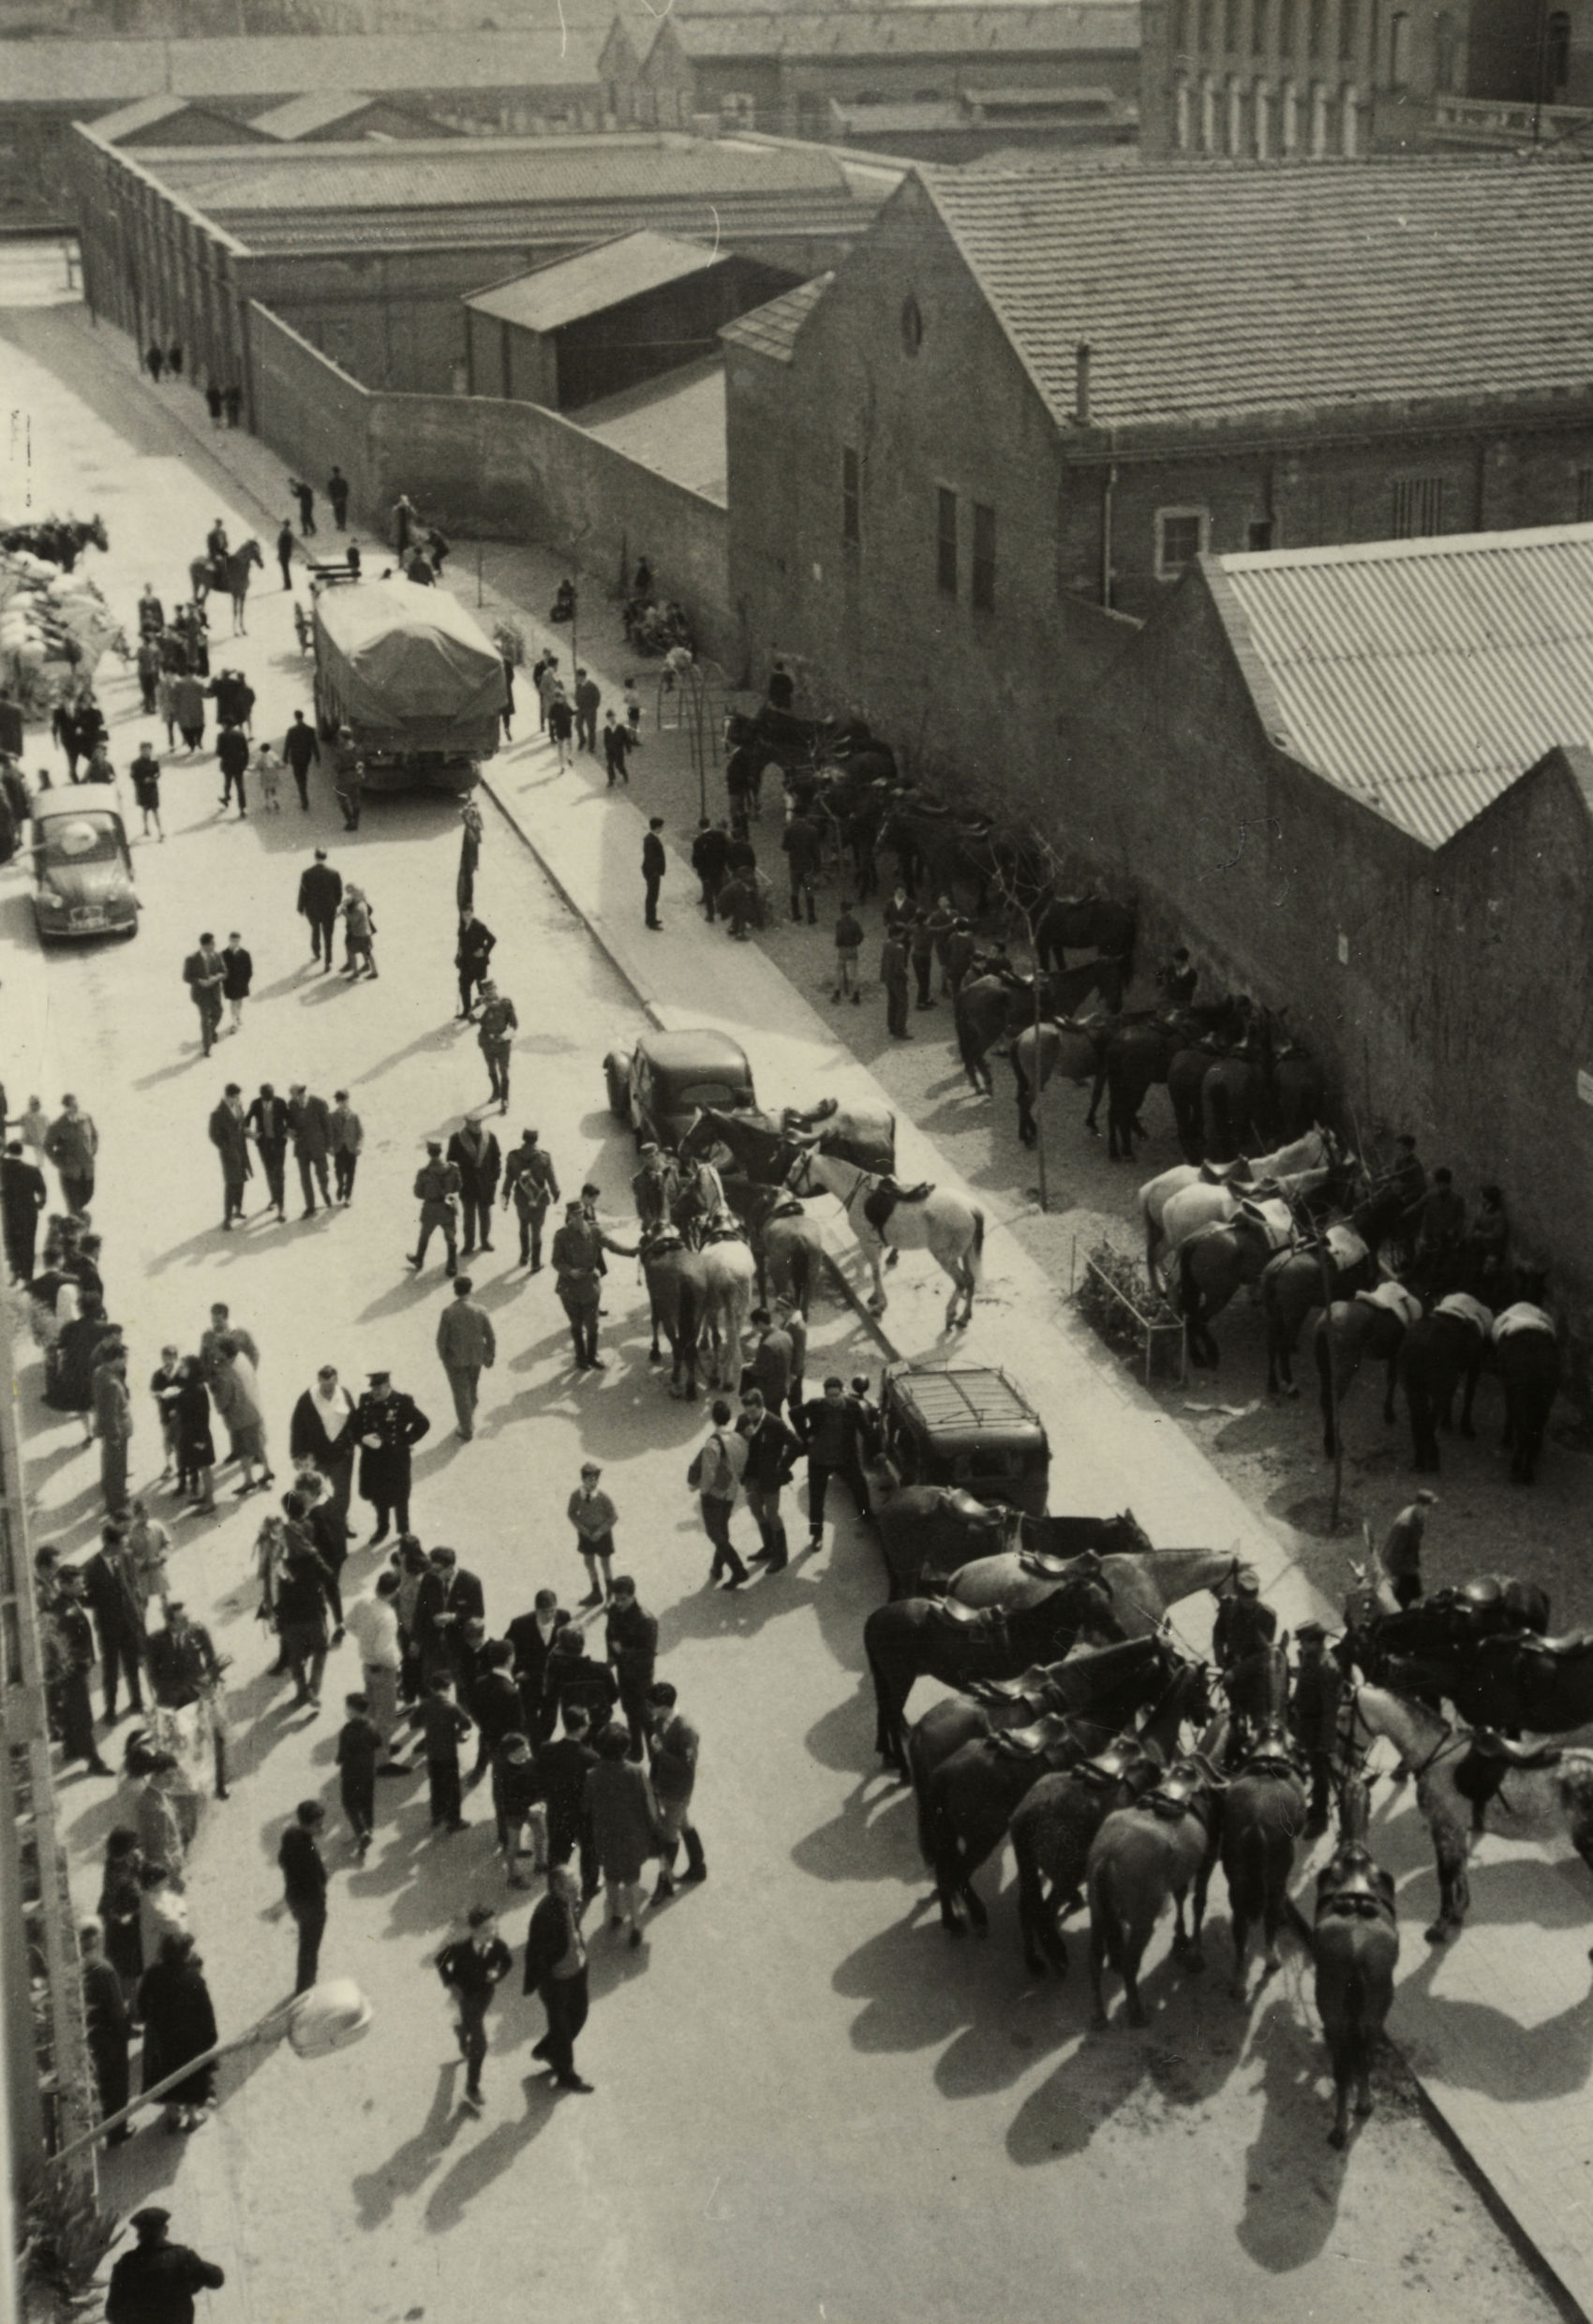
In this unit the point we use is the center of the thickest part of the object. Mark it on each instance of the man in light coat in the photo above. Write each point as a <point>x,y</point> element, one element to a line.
<point>467,1346</point>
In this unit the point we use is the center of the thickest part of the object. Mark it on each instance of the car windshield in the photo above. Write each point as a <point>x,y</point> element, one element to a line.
<point>81,839</point>
<point>717,1095</point>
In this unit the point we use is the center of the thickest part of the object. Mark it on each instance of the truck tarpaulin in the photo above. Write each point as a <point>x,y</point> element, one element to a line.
<point>409,669</point>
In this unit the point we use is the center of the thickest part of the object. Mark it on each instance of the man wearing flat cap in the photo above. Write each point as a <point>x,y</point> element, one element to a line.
<point>155,2282</point>
<point>386,1424</point>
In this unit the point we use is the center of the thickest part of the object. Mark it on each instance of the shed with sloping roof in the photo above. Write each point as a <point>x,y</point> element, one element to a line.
<point>328,115</point>
<point>168,121</point>
<point>594,325</point>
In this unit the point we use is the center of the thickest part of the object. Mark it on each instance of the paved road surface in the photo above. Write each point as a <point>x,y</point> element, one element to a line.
<point>808,2103</point>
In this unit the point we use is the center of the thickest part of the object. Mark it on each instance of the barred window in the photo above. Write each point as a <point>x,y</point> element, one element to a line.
<point>1418,507</point>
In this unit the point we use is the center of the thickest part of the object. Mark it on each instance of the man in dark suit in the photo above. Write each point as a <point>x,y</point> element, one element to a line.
<point>477,1157</point>
<point>320,892</point>
<point>654,865</point>
<point>311,1124</point>
<point>531,1636</point>
<point>204,973</point>
<point>267,1124</point>
<point>229,1135</point>
<point>563,1767</point>
<point>157,2278</point>
<point>112,1597</point>
<point>22,1196</point>
<point>300,748</point>
<point>387,1424</point>
<point>556,1970</point>
<point>448,1598</point>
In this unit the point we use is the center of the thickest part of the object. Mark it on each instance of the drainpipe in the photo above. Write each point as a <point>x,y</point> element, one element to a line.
<point>1106,490</point>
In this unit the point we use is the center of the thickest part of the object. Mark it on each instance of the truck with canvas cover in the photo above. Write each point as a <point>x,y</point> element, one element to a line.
<point>410,674</point>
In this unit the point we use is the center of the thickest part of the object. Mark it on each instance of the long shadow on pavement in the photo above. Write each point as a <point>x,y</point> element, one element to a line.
<point>410,2166</point>
<point>872,1838</point>
<point>1472,2045</point>
<point>1293,2180</point>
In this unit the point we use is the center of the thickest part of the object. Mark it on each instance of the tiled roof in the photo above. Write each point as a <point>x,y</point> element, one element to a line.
<point>1208,291</point>
<point>315,110</point>
<point>551,296</point>
<point>273,64</point>
<point>1064,28</point>
<point>1420,677</point>
<point>771,330</point>
<point>436,176</point>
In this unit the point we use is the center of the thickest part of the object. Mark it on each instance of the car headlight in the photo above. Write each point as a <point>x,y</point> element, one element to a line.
<point>48,895</point>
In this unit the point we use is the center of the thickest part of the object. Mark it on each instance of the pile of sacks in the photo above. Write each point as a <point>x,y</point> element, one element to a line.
<point>48,616</point>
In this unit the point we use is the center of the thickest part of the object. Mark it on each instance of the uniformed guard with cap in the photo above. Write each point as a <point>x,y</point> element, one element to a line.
<point>577,1248</point>
<point>529,1177</point>
<point>1244,1625</point>
<point>387,1424</point>
<point>495,1037</point>
<point>437,1191</point>
<point>1319,1685</point>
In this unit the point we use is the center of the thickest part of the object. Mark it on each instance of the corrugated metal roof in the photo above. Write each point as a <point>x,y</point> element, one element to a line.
<point>771,330</point>
<point>551,296</point>
<point>270,65</point>
<point>1379,281</point>
<point>1420,677</point>
<point>1063,29</point>
<point>425,174</point>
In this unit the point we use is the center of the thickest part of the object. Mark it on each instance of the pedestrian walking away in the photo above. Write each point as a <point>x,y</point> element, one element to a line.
<point>268,1124</point>
<point>285,551</point>
<point>617,744</point>
<point>321,891</point>
<point>347,1145</point>
<point>673,1745</point>
<point>475,1154</point>
<point>472,1971</point>
<point>303,1886</point>
<point>300,748</point>
<point>359,934</point>
<point>556,1971</point>
<point>471,956</point>
<point>156,2281</point>
<point>388,1424</point>
<point>155,361</point>
<point>654,865</point>
<point>358,1741</point>
<point>468,1347</point>
<point>239,975</point>
<point>494,1035</point>
<point>205,974</point>
<point>338,493</point>
<point>594,1517</point>
<point>437,1191</point>
<point>229,1135</point>
<point>624,1826</point>
<point>311,1126</point>
<point>715,1476</point>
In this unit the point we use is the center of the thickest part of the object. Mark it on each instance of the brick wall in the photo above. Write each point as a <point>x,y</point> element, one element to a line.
<point>306,409</point>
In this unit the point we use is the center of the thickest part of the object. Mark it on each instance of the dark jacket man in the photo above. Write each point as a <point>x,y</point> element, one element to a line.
<point>531,1650</point>
<point>311,1126</point>
<point>455,1594</point>
<point>561,1770</point>
<point>22,1196</point>
<point>239,965</point>
<point>654,865</point>
<point>300,748</point>
<point>320,892</point>
<point>267,1123</point>
<point>772,1452</point>
<point>475,1154</point>
<point>396,1422</point>
<point>118,1619</point>
<point>155,2282</point>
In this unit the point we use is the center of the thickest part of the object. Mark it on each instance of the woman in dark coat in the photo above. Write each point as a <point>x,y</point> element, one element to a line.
<point>196,1452</point>
<point>77,1350</point>
<point>179,2023</point>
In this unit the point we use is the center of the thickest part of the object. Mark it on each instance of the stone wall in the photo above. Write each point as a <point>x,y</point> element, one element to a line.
<point>306,408</point>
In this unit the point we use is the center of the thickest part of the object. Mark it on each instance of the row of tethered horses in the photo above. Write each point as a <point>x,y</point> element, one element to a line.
<point>1078,1752</point>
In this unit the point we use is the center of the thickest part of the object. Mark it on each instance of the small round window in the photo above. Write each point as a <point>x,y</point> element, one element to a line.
<point>911,325</point>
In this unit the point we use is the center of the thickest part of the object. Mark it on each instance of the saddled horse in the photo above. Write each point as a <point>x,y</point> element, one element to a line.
<point>1356,1944</point>
<point>1221,1186</point>
<point>1370,1328</point>
<point>944,849</point>
<point>992,1009</point>
<point>1218,1261</point>
<point>1108,1684</point>
<point>229,573</point>
<point>60,538</point>
<point>756,1152</point>
<point>729,1273</point>
<point>1293,1286</point>
<point>1055,1825</point>
<point>887,1218</point>
<point>1163,1847</point>
<point>1069,1047</point>
<point>1087,924</point>
<point>1145,1584</point>
<point>1263,1815</point>
<point>914,1638</point>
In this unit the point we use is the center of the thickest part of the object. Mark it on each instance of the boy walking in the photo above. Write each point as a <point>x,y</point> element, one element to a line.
<point>445,1725</point>
<point>471,1972</point>
<point>359,1740</point>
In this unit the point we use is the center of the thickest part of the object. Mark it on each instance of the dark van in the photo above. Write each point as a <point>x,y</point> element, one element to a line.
<point>970,1428</point>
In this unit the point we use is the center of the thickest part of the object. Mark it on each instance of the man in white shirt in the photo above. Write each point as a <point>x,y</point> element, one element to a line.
<point>373,1623</point>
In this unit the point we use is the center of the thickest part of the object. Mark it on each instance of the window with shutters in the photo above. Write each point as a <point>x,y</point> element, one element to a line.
<point>1418,507</point>
<point>851,498</point>
<point>983,573</point>
<point>945,543</point>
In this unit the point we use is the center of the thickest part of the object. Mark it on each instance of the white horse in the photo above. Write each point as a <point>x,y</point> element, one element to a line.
<point>730,1276</point>
<point>1549,1776</point>
<point>937,1221</point>
<point>1305,1153</point>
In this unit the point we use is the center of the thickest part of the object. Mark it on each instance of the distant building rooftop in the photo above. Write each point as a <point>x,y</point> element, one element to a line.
<point>271,65</point>
<point>551,296</point>
<point>1422,677</point>
<point>1067,27</point>
<point>673,426</point>
<point>299,115</point>
<point>771,330</point>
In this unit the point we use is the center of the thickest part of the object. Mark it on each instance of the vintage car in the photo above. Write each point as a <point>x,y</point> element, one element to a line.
<point>668,1079</point>
<point>82,870</point>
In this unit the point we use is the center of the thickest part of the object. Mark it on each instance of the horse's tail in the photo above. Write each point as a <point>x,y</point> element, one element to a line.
<point>1106,1920</point>
<point>976,1252</point>
<point>924,1806</point>
<point>968,1043</point>
<point>1187,1299</point>
<point>1153,1243</point>
<point>688,1316</point>
<point>801,1274</point>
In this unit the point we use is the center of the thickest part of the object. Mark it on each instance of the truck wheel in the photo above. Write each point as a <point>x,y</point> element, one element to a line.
<point>614,1074</point>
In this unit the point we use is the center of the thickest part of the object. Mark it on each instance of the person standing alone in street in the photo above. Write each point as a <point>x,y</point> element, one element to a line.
<point>300,748</point>
<point>338,493</point>
<point>494,1038</point>
<point>475,1155</point>
<point>472,1971</point>
<point>437,1191</point>
<point>348,1143</point>
<point>387,1424</point>
<point>654,865</point>
<point>285,551</point>
<point>304,1885</point>
<point>320,892</point>
<point>73,1145</point>
<point>467,1346</point>
<point>305,495</point>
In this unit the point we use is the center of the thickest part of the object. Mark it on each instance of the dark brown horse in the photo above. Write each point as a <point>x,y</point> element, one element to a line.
<point>992,1009</point>
<point>1163,1847</point>
<point>1087,924</point>
<point>1358,1331</point>
<point>914,1638</point>
<point>1263,1815</point>
<point>1291,1288</point>
<point>1356,1945</point>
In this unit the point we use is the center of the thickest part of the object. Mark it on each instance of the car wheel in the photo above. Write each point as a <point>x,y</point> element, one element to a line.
<point>618,1087</point>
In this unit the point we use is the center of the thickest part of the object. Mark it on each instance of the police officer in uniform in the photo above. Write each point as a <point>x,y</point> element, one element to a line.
<point>387,1424</point>
<point>529,1177</point>
<point>578,1249</point>
<point>437,1191</point>
<point>1318,1684</point>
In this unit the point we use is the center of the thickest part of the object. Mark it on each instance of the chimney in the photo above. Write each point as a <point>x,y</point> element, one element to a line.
<point>1082,384</point>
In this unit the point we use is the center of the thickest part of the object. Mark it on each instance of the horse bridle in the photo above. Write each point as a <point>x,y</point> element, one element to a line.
<point>1447,1737</point>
